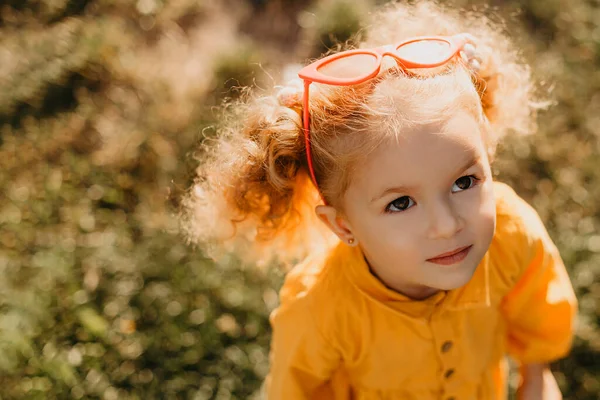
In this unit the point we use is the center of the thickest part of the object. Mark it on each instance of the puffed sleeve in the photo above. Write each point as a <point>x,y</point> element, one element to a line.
<point>540,308</point>
<point>302,360</point>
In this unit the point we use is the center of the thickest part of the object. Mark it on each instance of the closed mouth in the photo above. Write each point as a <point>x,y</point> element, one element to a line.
<point>451,257</point>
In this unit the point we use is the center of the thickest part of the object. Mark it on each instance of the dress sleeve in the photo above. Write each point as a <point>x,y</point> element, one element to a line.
<point>540,309</point>
<point>302,361</point>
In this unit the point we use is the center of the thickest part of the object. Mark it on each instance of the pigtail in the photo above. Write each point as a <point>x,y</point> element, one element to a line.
<point>252,194</point>
<point>505,87</point>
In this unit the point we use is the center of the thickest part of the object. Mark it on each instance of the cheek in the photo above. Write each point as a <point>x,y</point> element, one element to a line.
<point>487,224</point>
<point>391,237</point>
<point>484,221</point>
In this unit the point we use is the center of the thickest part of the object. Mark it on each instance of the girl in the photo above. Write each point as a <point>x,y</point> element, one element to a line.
<point>438,272</point>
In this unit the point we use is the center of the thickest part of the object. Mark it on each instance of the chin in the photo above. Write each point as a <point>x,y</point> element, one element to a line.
<point>456,282</point>
<point>456,278</point>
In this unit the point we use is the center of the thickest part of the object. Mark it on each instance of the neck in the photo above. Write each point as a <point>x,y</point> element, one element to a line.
<point>412,291</point>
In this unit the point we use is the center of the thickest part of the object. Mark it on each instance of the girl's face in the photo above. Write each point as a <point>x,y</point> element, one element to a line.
<point>422,207</point>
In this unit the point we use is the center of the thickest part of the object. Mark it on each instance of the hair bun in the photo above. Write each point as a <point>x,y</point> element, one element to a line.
<point>291,94</point>
<point>469,54</point>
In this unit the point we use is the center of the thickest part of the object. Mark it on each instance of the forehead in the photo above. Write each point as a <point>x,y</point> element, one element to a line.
<point>424,154</point>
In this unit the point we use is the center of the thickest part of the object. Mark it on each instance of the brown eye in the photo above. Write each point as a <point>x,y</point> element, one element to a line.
<point>463,183</point>
<point>400,204</point>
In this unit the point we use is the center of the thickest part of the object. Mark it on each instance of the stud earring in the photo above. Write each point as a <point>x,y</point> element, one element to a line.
<point>351,241</point>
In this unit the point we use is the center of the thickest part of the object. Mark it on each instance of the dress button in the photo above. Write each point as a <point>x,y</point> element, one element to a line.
<point>446,346</point>
<point>449,373</point>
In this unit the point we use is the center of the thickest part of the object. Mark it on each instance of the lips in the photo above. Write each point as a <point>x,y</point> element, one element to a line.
<point>451,257</point>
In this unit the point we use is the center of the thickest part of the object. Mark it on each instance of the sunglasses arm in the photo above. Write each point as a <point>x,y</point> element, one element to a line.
<point>306,131</point>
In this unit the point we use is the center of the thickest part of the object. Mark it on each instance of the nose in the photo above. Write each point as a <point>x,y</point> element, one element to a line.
<point>444,220</point>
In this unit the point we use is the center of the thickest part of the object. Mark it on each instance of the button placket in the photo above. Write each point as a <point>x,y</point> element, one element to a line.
<point>446,347</point>
<point>444,341</point>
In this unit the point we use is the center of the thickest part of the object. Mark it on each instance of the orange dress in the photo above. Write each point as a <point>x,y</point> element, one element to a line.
<point>339,333</point>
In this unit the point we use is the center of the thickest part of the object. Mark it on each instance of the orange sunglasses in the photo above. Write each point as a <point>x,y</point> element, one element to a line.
<point>352,67</point>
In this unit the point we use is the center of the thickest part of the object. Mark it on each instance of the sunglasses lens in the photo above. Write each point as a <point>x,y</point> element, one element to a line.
<point>425,51</point>
<point>350,66</point>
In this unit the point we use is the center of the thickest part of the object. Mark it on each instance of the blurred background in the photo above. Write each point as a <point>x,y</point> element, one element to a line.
<point>102,106</point>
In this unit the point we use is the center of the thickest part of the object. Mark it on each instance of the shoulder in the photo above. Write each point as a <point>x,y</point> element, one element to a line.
<point>518,236</point>
<point>514,216</point>
<point>309,278</point>
<point>313,293</point>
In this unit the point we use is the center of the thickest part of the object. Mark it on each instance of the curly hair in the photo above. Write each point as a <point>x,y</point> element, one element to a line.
<point>253,192</point>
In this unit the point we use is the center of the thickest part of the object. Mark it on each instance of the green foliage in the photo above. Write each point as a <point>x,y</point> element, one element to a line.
<point>338,21</point>
<point>236,69</point>
<point>101,105</point>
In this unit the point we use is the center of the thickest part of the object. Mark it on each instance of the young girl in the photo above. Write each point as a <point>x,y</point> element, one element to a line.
<point>439,272</point>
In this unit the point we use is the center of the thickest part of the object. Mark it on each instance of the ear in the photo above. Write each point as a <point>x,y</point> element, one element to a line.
<point>337,223</point>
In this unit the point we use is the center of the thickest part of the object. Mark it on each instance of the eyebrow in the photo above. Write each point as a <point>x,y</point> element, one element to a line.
<point>404,189</point>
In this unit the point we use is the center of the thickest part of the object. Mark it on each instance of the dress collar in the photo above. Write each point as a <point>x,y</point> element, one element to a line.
<point>475,294</point>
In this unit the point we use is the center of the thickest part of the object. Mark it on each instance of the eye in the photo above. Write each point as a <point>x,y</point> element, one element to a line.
<point>464,183</point>
<point>400,204</point>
